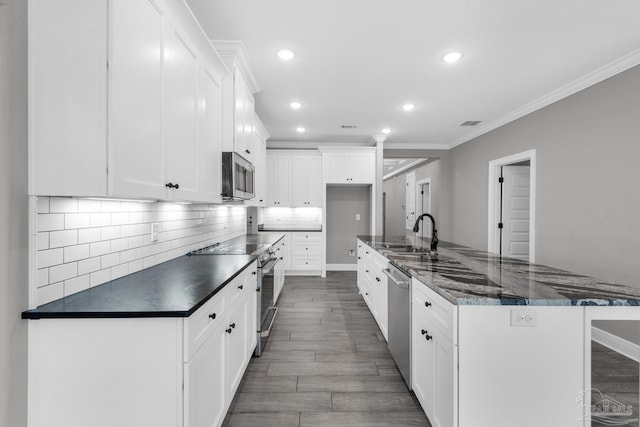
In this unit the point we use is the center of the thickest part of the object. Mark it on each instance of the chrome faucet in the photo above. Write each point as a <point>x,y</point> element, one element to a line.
<point>434,238</point>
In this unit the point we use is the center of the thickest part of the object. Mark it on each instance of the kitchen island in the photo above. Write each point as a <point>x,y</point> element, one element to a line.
<point>499,341</point>
<point>165,346</point>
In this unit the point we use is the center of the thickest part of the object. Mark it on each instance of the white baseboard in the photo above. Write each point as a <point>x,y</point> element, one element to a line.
<point>615,343</point>
<point>342,267</point>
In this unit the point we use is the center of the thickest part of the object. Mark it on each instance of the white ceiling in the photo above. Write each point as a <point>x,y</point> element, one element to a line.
<point>358,61</point>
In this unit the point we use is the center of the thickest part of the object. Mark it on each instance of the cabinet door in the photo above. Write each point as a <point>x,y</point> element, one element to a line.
<point>335,167</point>
<point>243,117</point>
<point>383,309</point>
<point>180,116</point>
<point>210,135</point>
<point>314,181</point>
<point>283,181</point>
<point>259,156</point>
<point>251,297</point>
<point>362,168</point>
<point>434,361</point>
<point>236,331</point>
<point>271,180</point>
<point>299,178</point>
<point>204,397</point>
<point>135,108</point>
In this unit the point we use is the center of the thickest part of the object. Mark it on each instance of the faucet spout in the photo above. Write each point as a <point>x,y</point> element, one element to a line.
<point>434,238</point>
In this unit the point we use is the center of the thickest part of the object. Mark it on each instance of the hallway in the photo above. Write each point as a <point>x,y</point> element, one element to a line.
<point>326,364</point>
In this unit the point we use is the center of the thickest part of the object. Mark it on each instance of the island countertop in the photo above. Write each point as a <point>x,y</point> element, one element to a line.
<point>466,276</point>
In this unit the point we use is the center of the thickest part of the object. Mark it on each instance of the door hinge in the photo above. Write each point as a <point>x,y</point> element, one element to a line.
<point>501,180</point>
<point>500,225</point>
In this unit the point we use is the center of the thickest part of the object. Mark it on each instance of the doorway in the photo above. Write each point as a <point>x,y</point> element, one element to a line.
<point>512,182</point>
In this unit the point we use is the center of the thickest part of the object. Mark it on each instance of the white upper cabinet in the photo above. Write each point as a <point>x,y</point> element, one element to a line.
<point>149,65</point>
<point>349,166</point>
<point>278,179</point>
<point>306,179</point>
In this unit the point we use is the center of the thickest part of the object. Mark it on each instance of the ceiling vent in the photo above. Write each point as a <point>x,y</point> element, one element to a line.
<point>348,126</point>
<point>471,123</point>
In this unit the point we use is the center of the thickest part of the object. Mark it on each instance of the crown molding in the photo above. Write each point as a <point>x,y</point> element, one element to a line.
<point>306,145</point>
<point>390,145</point>
<point>234,55</point>
<point>611,69</point>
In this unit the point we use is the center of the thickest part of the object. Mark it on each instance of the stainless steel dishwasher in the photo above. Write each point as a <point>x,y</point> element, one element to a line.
<point>399,334</point>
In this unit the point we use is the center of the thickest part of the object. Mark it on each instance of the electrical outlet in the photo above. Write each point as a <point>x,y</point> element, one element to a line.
<point>352,252</point>
<point>524,318</point>
<point>155,230</point>
<point>357,217</point>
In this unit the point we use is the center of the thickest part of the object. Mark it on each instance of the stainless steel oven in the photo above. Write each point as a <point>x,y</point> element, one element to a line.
<point>267,309</point>
<point>238,177</point>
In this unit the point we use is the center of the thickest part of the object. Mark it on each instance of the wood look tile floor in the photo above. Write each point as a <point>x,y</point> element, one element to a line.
<point>326,364</point>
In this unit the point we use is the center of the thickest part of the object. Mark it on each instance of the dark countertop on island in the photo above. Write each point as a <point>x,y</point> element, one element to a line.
<point>467,276</point>
<point>175,288</point>
<point>289,229</point>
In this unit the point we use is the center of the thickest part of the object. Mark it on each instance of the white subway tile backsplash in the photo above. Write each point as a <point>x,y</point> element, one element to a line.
<point>87,205</point>
<point>113,238</point>
<point>50,222</point>
<point>62,272</point>
<point>42,277</point>
<point>99,248</point>
<point>50,293</point>
<point>43,205</point>
<point>49,257</point>
<point>63,205</point>
<point>76,284</point>
<point>42,241</point>
<point>75,253</point>
<point>89,235</point>
<point>109,233</point>
<point>58,239</point>
<point>110,260</point>
<point>77,220</point>
<point>90,265</point>
<point>100,277</point>
<point>100,219</point>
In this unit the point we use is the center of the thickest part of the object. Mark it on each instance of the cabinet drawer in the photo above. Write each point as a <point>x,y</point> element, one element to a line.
<point>301,262</point>
<point>306,237</point>
<point>440,312</point>
<point>202,323</point>
<point>306,248</point>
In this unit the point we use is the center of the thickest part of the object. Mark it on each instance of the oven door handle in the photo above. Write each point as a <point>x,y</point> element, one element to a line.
<point>266,269</point>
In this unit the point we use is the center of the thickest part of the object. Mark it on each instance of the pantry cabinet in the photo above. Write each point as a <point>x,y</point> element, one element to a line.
<point>137,97</point>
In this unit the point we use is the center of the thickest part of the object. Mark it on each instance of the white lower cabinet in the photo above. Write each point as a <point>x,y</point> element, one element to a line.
<point>161,372</point>
<point>434,372</point>
<point>372,283</point>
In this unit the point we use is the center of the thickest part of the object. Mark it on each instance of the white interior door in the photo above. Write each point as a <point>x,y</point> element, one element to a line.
<point>410,200</point>
<point>515,211</point>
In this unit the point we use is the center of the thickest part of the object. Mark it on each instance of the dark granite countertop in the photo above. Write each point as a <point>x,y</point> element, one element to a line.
<point>466,276</point>
<point>248,244</point>
<point>174,288</point>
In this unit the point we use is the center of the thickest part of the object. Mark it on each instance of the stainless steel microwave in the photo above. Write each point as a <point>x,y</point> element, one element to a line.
<point>238,177</point>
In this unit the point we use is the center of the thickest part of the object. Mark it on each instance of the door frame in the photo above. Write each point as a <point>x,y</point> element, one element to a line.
<point>494,200</point>
<point>419,184</point>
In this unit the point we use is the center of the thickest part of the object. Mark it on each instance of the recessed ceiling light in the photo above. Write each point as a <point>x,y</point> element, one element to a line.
<point>452,57</point>
<point>295,105</point>
<point>286,55</point>
<point>300,129</point>
<point>408,107</point>
<point>386,130</point>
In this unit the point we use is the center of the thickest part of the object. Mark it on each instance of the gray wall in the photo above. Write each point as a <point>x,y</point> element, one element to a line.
<point>588,192</point>
<point>13,212</point>
<point>588,185</point>
<point>343,203</point>
<point>395,189</point>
